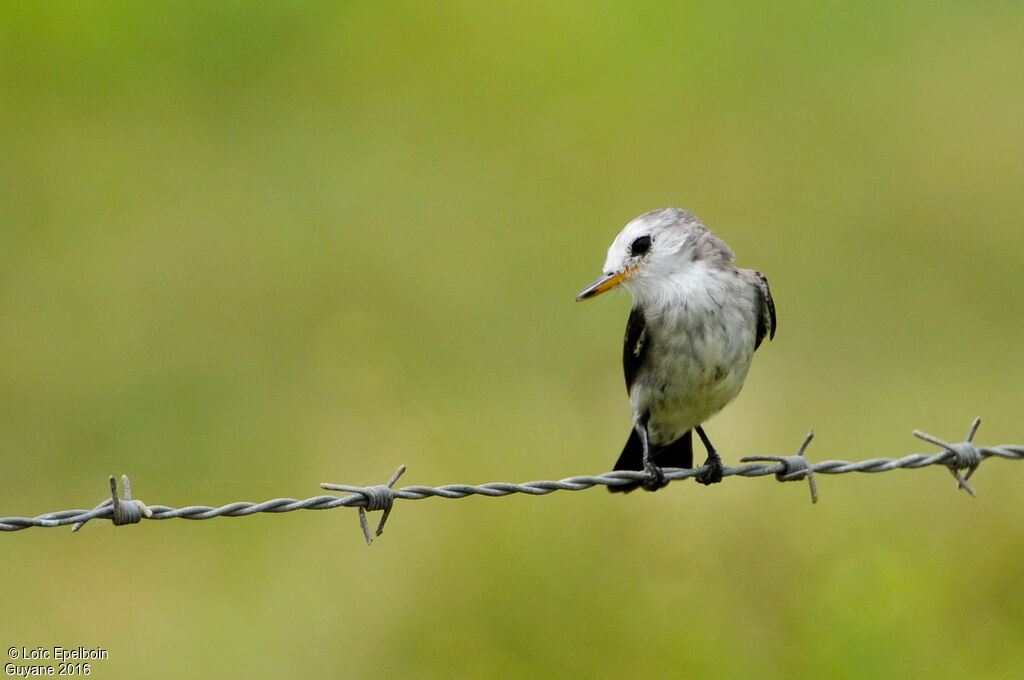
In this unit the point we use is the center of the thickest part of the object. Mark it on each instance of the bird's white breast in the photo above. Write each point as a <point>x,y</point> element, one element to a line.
<point>700,340</point>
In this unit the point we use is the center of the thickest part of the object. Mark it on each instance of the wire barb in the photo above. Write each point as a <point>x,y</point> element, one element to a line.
<point>956,457</point>
<point>128,511</point>
<point>963,456</point>
<point>794,468</point>
<point>379,497</point>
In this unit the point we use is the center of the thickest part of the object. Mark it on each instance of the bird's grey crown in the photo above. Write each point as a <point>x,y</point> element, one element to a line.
<point>673,232</point>
<point>669,216</point>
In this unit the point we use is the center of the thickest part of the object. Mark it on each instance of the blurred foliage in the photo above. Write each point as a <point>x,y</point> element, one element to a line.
<point>249,247</point>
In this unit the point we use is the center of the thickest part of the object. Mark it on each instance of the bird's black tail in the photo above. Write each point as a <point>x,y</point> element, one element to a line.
<point>678,454</point>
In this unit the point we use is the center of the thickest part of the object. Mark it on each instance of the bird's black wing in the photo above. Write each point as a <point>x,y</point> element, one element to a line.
<point>635,347</point>
<point>766,318</point>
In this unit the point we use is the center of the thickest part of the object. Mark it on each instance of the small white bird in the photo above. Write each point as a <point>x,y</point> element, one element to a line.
<point>691,334</point>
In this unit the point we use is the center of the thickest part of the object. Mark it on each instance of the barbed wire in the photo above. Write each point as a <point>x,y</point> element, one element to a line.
<point>955,456</point>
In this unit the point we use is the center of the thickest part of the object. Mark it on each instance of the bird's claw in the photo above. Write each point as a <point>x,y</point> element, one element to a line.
<point>712,473</point>
<point>654,478</point>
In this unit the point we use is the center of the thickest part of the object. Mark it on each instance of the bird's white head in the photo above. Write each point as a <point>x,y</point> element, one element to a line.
<point>655,251</point>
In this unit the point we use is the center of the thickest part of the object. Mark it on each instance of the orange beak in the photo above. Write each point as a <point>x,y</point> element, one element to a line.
<point>605,283</point>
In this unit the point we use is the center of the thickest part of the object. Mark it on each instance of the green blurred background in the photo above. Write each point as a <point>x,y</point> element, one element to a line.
<point>249,247</point>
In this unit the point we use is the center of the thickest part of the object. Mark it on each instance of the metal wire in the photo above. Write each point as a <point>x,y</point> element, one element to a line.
<point>956,457</point>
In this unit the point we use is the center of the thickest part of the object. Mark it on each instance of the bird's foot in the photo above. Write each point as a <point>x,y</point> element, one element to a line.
<point>654,479</point>
<point>712,473</point>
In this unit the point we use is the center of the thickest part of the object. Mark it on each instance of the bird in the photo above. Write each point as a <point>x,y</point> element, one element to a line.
<point>695,323</point>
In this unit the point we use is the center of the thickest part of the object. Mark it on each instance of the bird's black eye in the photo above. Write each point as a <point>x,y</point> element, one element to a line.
<point>640,245</point>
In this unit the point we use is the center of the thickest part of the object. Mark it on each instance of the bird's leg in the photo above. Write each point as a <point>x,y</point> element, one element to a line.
<point>655,477</point>
<point>713,474</point>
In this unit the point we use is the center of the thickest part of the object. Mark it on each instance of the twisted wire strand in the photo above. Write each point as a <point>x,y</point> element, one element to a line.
<point>956,457</point>
<point>828,467</point>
